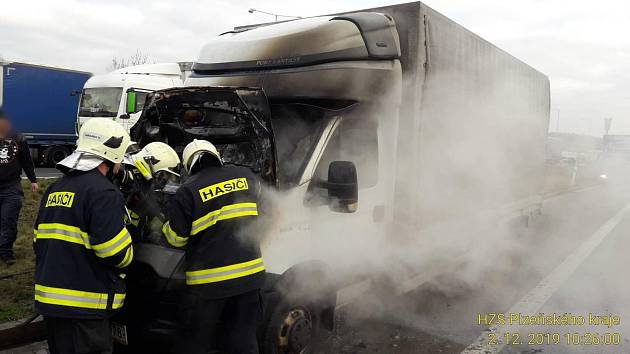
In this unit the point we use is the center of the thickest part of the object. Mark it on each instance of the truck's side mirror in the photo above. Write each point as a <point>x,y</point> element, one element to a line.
<point>132,101</point>
<point>343,187</point>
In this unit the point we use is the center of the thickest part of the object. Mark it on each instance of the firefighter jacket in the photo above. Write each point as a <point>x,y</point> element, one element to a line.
<point>214,216</point>
<point>80,245</point>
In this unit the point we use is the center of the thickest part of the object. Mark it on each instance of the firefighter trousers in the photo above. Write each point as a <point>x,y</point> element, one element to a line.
<point>226,325</point>
<point>78,336</point>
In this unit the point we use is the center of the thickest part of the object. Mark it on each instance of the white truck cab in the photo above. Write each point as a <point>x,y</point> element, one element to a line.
<point>111,95</point>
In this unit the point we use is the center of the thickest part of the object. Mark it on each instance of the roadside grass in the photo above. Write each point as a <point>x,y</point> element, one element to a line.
<point>16,292</point>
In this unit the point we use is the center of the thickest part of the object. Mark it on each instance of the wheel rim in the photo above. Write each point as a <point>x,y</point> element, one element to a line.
<point>58,155</point>
<point>296,331</point>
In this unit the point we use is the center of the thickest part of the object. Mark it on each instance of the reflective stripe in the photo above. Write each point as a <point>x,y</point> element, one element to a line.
<point>119,301</point>
<point>135,218</point>
<point>62,232</point>
<point>172,237</point>
<point>225,273</point>
<point>113,246</point>
<point>74,234</point>
<point>128,257</point>
<point>74,298</point>
<point>227,212</point>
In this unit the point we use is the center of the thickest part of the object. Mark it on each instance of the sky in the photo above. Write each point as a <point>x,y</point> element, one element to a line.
<point>582,46</point>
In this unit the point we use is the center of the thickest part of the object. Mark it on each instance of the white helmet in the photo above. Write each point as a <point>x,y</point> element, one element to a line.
<point>156,157</point>
<point>195,149</point>
<point>103,138</point>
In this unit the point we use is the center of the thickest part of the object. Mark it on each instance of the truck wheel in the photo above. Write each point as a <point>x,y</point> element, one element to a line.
<point>290,328</point>
<point>54,155</point>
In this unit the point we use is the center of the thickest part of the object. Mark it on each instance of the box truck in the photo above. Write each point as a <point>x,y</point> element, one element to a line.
<point>105,96</point>
<point>373,127</point>
<point>42,103</point>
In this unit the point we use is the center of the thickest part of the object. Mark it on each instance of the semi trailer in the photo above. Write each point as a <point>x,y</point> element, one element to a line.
<point>369,128</point>
<point>42,103</point>
<point>106,95</point>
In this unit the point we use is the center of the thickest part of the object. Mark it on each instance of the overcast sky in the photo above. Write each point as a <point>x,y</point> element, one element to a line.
<point>584,47</point>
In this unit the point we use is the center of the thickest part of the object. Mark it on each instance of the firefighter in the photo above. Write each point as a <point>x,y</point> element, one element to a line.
<point>213,216</point>
<point>81,244</point>
<point>150,169</point>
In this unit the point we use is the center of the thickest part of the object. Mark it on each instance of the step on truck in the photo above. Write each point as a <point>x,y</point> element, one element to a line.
<point>42,103</point>
<point>120,94</point>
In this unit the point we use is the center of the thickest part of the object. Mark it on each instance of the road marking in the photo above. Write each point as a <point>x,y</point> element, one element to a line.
<point>536,298</point>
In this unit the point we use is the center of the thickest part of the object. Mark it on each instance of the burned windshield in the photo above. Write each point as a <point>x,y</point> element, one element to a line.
<point>297,129</point>
<point>100,102</point>
<point>235,120</point>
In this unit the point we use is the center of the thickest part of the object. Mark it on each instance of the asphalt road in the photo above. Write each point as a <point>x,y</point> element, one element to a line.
<point>47,173</point>
<point>572,260</point>
<point>557,267</point>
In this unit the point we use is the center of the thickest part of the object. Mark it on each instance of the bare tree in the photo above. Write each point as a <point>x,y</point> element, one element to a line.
<point>138,58</point>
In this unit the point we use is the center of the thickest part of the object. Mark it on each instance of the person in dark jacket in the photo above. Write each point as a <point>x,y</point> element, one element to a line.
<point>148,170</point>
<point>15,157</point>
<point>81,244</point>
<point>213,216</point>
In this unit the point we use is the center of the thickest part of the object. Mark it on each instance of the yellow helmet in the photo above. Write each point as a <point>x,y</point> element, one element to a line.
<point>154,158</point>
<point>195,149</point>
<point>103,138</point>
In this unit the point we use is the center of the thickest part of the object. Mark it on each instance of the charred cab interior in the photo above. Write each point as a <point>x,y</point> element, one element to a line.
<point>236,120</point>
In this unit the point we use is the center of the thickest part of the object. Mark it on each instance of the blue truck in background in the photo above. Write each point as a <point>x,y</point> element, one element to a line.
<point>42,103</point>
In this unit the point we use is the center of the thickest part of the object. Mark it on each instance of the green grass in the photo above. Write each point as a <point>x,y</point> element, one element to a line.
<point>16,293</point>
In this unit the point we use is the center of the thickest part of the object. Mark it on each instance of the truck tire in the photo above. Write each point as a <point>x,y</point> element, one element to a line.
<point>290,327</point>
<point>54,155</point>
<point>298,316</point>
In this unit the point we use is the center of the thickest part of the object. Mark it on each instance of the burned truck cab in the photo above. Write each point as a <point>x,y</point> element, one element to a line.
<point>236,120</point>
<point>334,87</point>
<point>304,104</point>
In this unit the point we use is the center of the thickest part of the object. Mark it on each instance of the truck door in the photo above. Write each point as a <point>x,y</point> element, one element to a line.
<point>132,106</point>
<point>339,238</point>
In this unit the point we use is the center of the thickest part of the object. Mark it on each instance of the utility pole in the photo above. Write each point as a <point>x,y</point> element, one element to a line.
<point>607,124</point>
<point>557,119</point>
<point>575,169</point>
